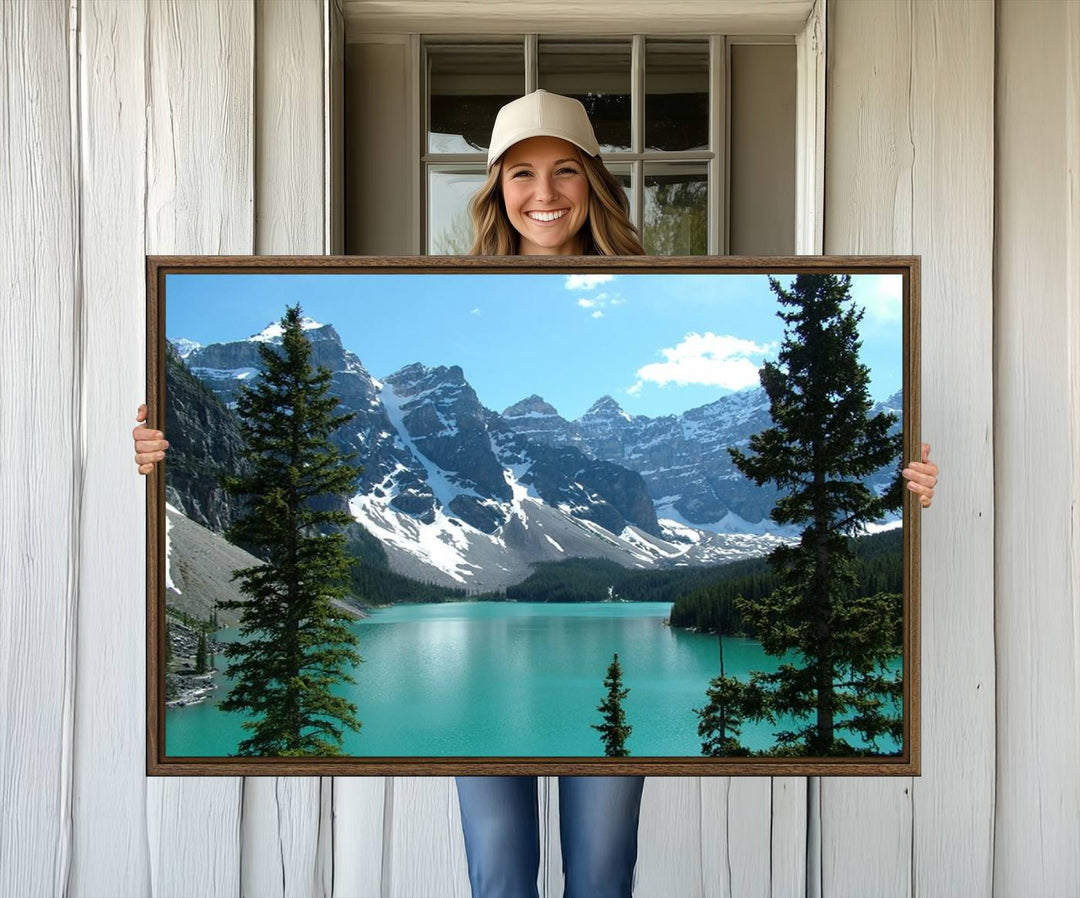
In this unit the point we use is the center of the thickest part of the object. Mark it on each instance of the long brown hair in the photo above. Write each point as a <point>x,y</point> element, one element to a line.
<point>607,231</point>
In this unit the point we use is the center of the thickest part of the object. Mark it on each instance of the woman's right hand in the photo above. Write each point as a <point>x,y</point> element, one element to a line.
<point>150,445</point>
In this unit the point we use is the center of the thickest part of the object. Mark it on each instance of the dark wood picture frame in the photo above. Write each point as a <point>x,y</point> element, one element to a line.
<point>906,762</point>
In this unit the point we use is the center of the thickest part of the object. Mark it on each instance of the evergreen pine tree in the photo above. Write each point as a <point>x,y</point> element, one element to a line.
<point>293,649</point>
<point>614,731</point>
<point>200,653</point>
<point>720,723</point>
<point>823,442</point>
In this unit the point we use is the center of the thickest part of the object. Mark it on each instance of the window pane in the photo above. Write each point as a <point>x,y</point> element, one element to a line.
<point>449,191</point>
<point>623,175</point>
<point>466,86</point>
<point>676,95</point>
<point>676,209</point>
<point>597,74</point>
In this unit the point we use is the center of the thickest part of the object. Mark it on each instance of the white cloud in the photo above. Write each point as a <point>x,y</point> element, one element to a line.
<point>599,301</point>
<point>882,295</point>
<point>475,312</point>
<point>713,360</point>
<point>587,281</point>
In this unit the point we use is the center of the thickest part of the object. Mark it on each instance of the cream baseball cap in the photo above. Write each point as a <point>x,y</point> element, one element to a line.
<point>541,114</point>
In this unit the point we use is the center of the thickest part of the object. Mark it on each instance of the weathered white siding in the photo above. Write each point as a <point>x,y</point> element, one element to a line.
<point>109,820</point>
<point>41,433</point>
<point>1037,450</point>
<point>953,131</point>
<point>909,169</point>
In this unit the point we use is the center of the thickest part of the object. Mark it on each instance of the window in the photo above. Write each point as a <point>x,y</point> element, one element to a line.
<point>659,107</point>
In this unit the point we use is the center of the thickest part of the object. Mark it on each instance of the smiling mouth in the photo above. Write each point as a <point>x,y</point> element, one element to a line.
<point>547,216</point>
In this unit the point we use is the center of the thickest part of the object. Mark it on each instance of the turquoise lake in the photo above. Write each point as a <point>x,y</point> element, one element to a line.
<point>510,679</point>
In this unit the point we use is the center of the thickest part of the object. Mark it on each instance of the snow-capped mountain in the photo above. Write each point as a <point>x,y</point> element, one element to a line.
<point>184,347</point>
<point>683,459</point>
<point>458,496</point>
<point>462,495</point>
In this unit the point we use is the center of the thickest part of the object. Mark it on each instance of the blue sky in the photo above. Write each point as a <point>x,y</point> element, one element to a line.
<point>658,343</point>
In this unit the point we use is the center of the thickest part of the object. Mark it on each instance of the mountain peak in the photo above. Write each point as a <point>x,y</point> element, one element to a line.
<point>183,346</point>
<point>273,332</point>
<point>606,407</point>
<point>416,371</point>
<point>531,406</point>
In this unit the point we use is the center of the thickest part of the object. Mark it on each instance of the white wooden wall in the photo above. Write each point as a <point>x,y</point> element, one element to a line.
<point>953,131</point>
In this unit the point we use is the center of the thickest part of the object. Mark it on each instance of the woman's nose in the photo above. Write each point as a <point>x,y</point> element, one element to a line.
<point>545,188</point>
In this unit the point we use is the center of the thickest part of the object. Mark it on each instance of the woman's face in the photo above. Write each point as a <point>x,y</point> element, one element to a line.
<point>546,195</point>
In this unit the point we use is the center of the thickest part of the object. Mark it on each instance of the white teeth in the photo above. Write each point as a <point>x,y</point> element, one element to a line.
<point>546,216</point>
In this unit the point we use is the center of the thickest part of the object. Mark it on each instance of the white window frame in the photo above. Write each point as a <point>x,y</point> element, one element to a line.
<point>809,139</point>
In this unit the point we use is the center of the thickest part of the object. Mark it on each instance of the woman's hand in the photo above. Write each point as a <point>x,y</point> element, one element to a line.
<point>922,477</point>
<point>150,445</point>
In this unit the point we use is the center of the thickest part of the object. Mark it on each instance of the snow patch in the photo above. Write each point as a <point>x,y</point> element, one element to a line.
<point>225,373</point>
<point>168,549</point>
<point>730,523</point>
<point>882,526</point>
<point>443,543</point>
<point>274,332</point>
<point>555,544</point>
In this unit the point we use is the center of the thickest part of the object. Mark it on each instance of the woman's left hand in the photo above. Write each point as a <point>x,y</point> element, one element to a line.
<point>922,477</point>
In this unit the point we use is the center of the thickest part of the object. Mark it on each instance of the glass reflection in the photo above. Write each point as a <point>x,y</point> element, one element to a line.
<point>450,231</point>
<point>467,84</point>
<point>676,95</point>
<point>676,209</point>
<point>597,74</point>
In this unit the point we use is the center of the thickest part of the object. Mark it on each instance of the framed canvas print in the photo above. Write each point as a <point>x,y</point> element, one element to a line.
<point>533,516</point>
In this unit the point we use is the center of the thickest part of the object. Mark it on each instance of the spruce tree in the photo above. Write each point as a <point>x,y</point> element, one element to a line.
<point>200,653</point>
<point>614,731</point>
<point>720,721</point>
<point>293,648</point>
<point>822,444</point>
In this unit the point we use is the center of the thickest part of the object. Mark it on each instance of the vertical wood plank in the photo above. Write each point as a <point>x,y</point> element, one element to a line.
<point>290,162</point>
<point>909,169</point>
<point>199,197</point>
<point>790,800</point>
<point>551,874</point>
<point>866,824</point>
<point>810,133</point>
<point>953,229</point>
<point>1037,370</point>
<point>110,854</point>
<point>282,815</point>
<point>671,838</point>
<point>40,436</point>
<point>334,127</point>
<point>424,849</point>
<point>359,811</point>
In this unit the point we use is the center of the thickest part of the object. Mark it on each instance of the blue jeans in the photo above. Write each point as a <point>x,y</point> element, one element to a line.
<point>598,821</point>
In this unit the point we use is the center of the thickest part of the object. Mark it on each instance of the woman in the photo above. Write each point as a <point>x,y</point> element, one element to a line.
<point>548,193</point>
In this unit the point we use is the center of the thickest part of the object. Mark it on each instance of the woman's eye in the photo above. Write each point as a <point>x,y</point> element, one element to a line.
<point>567,171</point>
<point>520,173</point>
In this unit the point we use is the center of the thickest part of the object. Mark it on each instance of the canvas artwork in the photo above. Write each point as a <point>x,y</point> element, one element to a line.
<point>519,516</point>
